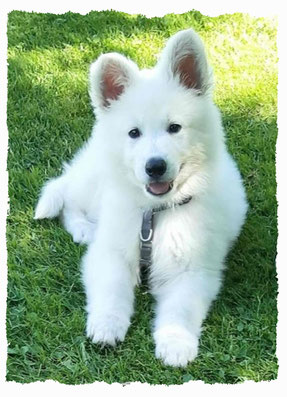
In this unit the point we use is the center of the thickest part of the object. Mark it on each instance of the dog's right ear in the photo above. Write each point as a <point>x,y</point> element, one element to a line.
<point>110,75</point>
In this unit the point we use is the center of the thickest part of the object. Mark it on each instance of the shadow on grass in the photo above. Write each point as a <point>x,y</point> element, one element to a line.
<point>36,30</point>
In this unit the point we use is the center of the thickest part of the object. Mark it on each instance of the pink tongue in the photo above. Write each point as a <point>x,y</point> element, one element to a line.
<point>158,187</point>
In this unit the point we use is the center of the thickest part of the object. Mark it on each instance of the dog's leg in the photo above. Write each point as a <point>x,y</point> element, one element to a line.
<point>182,305</point>
<point>109,291</point>
<point>78,225</point>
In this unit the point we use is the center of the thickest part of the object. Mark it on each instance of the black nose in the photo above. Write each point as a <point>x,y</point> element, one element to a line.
<point>155,167</point>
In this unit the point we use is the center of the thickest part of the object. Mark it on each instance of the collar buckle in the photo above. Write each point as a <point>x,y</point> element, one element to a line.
<point>149,237</point>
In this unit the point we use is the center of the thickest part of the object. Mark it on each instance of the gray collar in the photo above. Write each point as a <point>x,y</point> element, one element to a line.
<point>146,236</point>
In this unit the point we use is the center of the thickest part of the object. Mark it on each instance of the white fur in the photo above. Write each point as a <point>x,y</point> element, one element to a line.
<point>101,196</point>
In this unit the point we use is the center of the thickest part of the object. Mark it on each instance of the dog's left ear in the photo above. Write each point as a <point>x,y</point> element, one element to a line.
<point>184,59</point>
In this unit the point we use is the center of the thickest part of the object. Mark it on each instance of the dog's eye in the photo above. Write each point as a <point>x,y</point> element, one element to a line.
<point>134,133</point>
<point>174,128</point>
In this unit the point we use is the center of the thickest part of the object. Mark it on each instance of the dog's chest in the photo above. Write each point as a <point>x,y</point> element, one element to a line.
<point>172,238</point>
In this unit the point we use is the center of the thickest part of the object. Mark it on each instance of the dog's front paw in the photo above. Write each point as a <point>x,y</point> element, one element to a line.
<point>107,329</point>
<point>175,345</point>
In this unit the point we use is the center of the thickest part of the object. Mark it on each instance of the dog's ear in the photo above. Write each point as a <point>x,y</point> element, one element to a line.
<point>184,59</point>
<point>110,75</point>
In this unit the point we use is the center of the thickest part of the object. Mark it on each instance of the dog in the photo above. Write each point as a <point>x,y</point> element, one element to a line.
<point>154,184</point>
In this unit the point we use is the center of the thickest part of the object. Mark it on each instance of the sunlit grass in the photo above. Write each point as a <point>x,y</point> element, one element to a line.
<point>49,117</point>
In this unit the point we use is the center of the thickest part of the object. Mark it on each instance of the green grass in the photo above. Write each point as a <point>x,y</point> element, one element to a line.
<point>49,117</point>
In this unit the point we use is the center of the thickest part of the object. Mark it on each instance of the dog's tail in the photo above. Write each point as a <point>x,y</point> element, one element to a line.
<point>51,200</point>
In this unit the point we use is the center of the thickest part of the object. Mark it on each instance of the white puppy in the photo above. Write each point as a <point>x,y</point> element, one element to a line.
<point>157,141</point>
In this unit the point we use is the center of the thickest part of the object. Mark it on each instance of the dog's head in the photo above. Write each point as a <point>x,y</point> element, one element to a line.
<point>158,124</point>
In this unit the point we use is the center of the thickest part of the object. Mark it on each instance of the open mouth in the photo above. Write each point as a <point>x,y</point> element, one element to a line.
<point>159,188</point>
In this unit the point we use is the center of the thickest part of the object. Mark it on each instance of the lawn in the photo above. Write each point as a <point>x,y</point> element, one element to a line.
<point>49,117</point>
